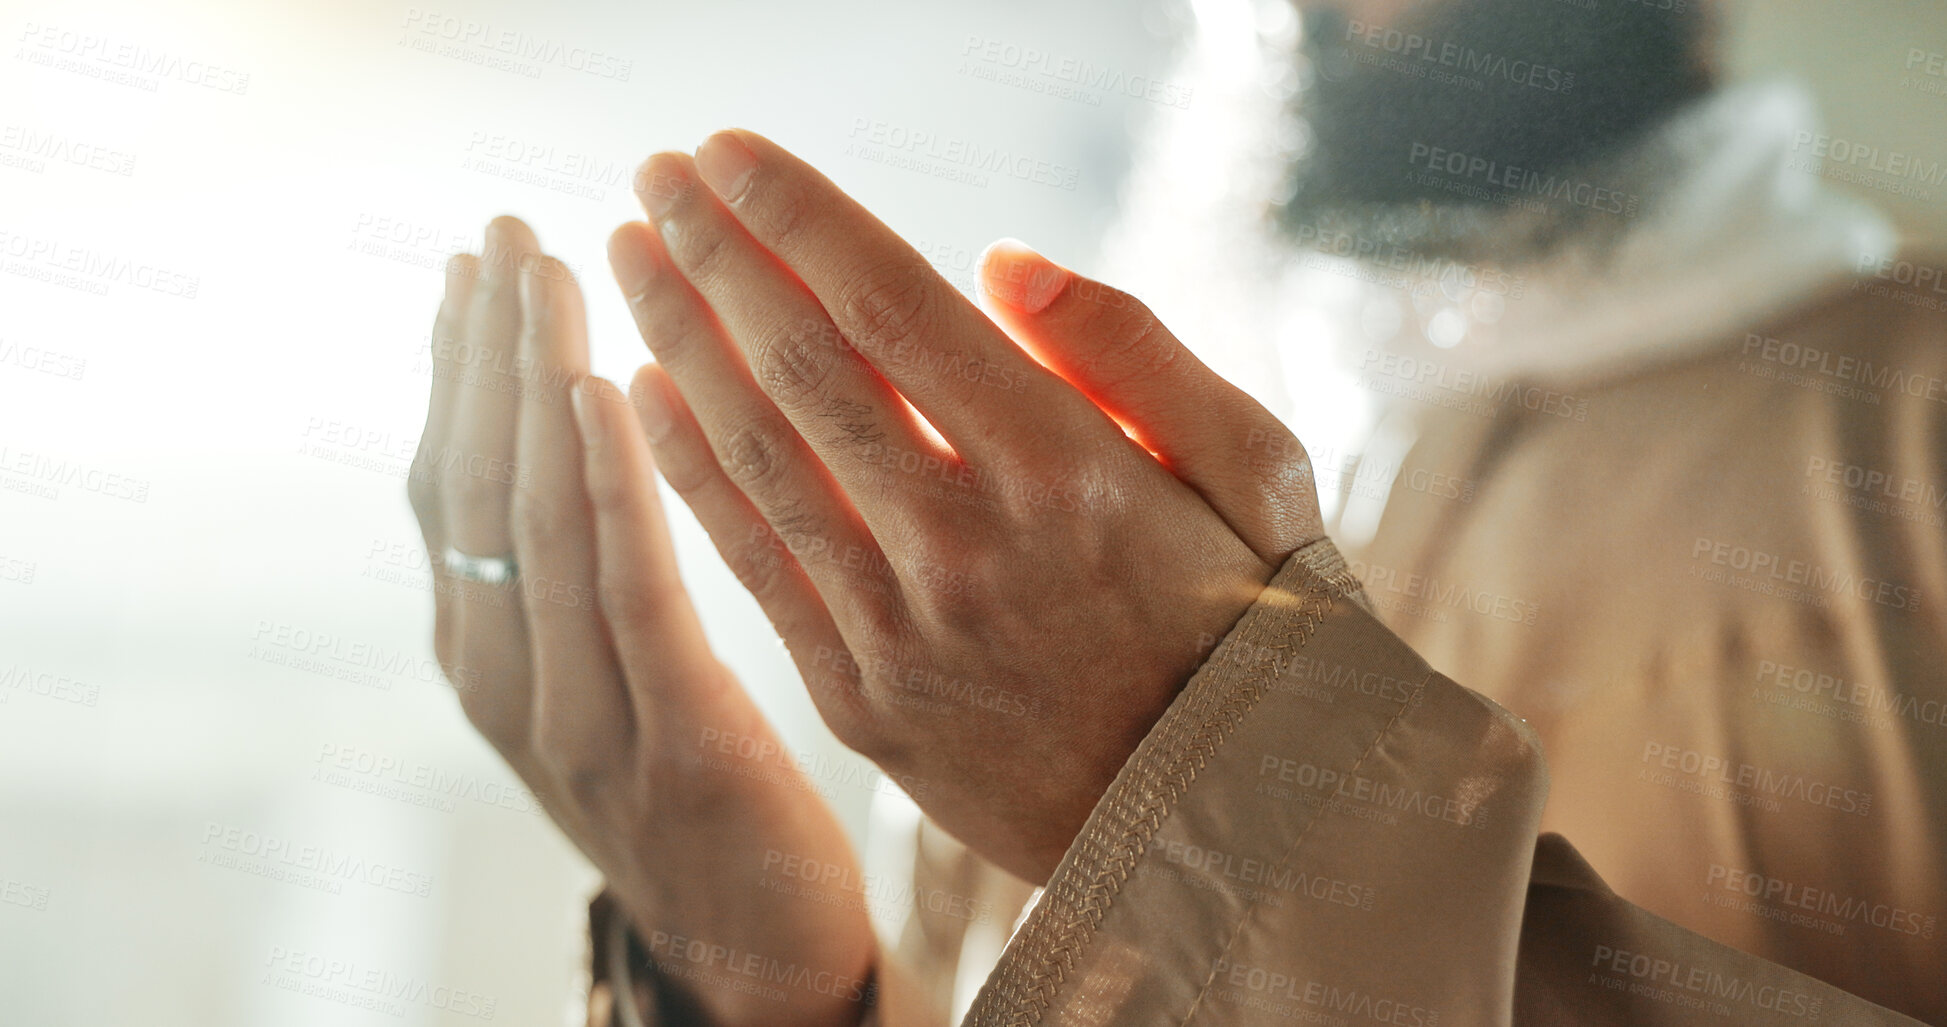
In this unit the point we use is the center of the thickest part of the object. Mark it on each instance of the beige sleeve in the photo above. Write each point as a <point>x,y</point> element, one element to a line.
<point>1322,830</point>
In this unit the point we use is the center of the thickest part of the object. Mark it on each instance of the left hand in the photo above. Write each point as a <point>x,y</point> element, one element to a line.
<point>590,672</point>
<point>1003,598</point>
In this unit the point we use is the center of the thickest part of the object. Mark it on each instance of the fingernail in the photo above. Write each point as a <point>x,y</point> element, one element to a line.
<point>726,165</point>
<point>1015,274</point>
<point>652,409</point>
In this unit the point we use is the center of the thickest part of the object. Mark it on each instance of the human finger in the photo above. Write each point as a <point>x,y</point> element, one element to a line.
<point>1211,434</point>
<point>477,476</point>
<point>854,421</point>
<point>581,710</point>
<point>422,479</point>
<point>657,637</point>
<point>755,445</point>
<point>745,542</point>
<point>961,371</point>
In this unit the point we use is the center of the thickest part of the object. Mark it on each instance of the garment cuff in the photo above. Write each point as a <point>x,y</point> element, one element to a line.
<point>1318,804</point>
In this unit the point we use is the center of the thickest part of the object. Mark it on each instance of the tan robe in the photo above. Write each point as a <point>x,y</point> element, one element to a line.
<point>1715,590</point>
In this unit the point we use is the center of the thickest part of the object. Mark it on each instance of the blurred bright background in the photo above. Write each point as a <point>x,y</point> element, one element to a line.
<point>221,268</point>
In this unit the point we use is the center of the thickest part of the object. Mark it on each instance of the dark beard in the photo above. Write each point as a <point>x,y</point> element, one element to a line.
<point>1488,129</point>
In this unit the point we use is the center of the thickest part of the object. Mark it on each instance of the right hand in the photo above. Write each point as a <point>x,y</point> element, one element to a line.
<point>591,675</point>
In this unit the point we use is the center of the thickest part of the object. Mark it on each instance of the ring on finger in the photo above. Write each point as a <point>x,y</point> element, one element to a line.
<point>484,570</point>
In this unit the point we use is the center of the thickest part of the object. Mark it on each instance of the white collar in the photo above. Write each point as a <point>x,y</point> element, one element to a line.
<point>1741,229</point>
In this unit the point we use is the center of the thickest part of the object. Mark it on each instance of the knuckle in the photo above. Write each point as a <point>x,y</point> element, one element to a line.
<point>704,253</point>
<point>1289,447</point>
<point>948,588</point>
<point>1041,490</point>
<point>751,458</point>
<point>1273,457</point>
<point>889,305</point>
<point>792,367</point>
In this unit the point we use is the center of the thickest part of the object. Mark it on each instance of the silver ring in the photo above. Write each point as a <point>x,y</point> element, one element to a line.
<point>485,570</point>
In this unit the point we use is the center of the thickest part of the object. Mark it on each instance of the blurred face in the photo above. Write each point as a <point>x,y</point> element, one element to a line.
<point>1423,115</point>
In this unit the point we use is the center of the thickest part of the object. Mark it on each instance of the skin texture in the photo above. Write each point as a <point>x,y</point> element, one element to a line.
<point>988,584</point>
<point>996,544</point>
<point>995,547</point>
<point>591,676</point>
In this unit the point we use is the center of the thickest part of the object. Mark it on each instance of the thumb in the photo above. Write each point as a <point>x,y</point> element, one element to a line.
<point>1213,436</point>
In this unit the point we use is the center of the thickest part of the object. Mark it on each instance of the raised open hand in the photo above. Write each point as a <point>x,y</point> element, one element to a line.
<point>985,581</point>
<point>557,593</point>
